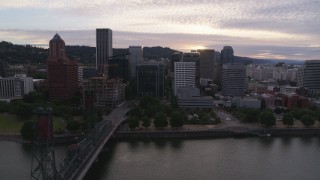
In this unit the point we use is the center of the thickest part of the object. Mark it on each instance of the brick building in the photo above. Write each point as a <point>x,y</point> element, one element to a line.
<point>62,72</point>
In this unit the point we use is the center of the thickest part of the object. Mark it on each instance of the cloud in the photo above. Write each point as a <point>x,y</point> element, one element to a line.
<point>181,24</point>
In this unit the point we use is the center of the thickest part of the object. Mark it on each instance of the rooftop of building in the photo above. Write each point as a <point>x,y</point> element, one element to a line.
<point>56,38</point>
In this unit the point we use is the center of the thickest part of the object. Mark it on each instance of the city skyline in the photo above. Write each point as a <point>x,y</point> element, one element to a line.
<point>266,30</point>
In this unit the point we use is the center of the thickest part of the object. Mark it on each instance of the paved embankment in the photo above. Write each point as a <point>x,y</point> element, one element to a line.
<point>228,132</point>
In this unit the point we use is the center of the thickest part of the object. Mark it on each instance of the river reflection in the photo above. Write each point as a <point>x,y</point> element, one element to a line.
<point>161,159</point>
<point>227,158</point>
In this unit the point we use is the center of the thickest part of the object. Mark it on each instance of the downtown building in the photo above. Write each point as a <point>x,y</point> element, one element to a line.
<point>217,68</point>
<point>135,56</point>
<point>227,55</point>
<point>184,75</point>
<point>175,57</point>
<point>118,67</point>
<point>207,63</point>
<point>103,49</point>
<point>194,56</point>
<point>15,87</point>
<point>62,73</point>
<point>233,80</point>
<point>11,71</point>
<point>309,76</point>
<point>150,79</point>
<point>101,92</point>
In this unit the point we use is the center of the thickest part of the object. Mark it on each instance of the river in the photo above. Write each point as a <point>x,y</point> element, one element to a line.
<point>276,158</point>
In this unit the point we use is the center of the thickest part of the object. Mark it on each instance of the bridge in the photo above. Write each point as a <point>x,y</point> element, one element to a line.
<point>82,155</point>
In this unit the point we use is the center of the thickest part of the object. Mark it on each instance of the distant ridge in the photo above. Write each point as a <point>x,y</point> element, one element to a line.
<point>247,60</point>
<point>19,54</point>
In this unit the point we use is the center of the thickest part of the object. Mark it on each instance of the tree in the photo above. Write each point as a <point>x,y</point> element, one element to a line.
<point>28,130</point>
<point>133,122</point>
<point>277,110</point>
<point>299,113</point>
<point>288,119</point>
<point>151,110</point>
<point>168,110</point>
<point>73,125</point>
<point>204,117</point>
<point>160,120</point>
<point>136,111</point>
<point>146,121</point>
<point>251,115</point>
<point>147,101</point>
<point>267,118</point>
<point>174,102</point>
<point>177,118</point>
<point>307,120</point>
<point>23,110</point>
<point>5,106</point>
<point>131,90</point>
<point>318,117</point>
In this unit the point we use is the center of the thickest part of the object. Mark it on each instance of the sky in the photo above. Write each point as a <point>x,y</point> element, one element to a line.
<point>270,29</point>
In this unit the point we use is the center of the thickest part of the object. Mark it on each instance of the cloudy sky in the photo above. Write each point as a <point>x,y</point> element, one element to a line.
<point>274,29</point>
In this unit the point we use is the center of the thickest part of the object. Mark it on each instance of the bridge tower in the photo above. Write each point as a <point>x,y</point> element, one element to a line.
<point>43,159</point>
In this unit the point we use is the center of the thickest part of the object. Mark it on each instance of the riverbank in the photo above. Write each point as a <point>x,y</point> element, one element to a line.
<point>181,133</point>
<point>227,132</point>
<point>58,139</point>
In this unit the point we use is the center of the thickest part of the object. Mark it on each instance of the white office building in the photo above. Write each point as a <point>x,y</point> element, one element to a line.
<point>15,87</point>
<point>184,75</point>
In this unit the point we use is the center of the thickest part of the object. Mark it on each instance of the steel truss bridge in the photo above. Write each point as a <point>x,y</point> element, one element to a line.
<point>82,155</point>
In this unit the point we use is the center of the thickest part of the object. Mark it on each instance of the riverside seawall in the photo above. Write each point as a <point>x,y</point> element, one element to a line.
<point>210,133</point>
<point>216,133</point>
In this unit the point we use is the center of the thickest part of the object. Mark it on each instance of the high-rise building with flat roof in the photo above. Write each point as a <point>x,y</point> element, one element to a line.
<point>62,73</point>
<point>151,79</point>
<point>184,75</point>
<point>309,76</point>
<point>233,79</point>
<point>206,63</point>
<point>194,57</point>
<point>103,49</point>
<point>135,56</point>
<point>118,68</point>
<point>227,55</point>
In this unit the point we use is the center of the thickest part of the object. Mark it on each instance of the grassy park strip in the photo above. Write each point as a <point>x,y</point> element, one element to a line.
<point>11,124</point>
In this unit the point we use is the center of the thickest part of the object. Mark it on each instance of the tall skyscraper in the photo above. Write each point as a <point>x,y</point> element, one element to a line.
<point>184,75</point>
<point>194,57</point>
<point>118,68</point>
<point>227,55</point>
<point>151,79</point>
<point>309,76</point>
<point>233,79</point>
<point>103,49</point>
<point>206,63</point>
<point>62,73</point>
<point>136,55</point>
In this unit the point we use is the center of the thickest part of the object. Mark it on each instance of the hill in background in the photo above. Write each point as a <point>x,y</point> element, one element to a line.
<point>19,54</point>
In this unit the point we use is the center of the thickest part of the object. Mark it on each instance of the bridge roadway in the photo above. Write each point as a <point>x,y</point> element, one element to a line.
<point>82,155</point>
